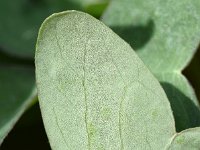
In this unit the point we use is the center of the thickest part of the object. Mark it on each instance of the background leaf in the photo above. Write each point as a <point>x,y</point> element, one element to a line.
<point>186,140</point>
<point>28,133</point>
<point>165,35</point>
<point>21,20</point>
<point>17,84</point>
<point>94,92</point>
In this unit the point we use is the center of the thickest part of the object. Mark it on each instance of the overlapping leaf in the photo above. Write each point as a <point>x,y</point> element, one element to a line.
<point>165,35</point>
<point>186,140</point>
<point>18,30</point>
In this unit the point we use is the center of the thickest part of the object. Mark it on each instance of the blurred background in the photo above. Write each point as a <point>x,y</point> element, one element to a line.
<point>19,25</point>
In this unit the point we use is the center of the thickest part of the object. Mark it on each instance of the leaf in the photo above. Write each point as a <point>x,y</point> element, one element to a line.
<point>94,92</point>
<point>21,21</point>
<point>18,32</point>
<point>95,7</point>
<point>165,35</point>
<point>28,133</point>
<point>186,140</point>
<point>180,94</point>
<point>17,94</point>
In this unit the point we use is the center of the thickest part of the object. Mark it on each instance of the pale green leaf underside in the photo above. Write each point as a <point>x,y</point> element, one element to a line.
<point>17,86</point>
<point>94,92</point>
<point>165,35</point>
<point>186,140</point>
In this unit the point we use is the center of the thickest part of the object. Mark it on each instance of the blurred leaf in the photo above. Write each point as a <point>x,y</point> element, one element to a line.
<point>94,92</point>
<point>96,7</point>
<point>17,93</point>
<point>165,35</point>
<point>28,133</point>
<point>20,21</point>
<point>179,93</point>
<point>186,140</point>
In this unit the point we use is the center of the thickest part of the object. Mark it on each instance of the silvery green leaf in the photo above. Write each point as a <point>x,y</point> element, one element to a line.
<point>94,91</point>
<point>165,35</point>
<point>186,140</point>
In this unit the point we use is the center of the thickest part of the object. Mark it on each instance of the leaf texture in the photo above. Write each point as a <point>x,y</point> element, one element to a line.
<point>165,35</point>
<point>186,140</point>
<point>94,91</point>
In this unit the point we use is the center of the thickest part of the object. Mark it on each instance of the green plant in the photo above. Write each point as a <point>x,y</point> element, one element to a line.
<point>96,93</point>
<point>18,30</point>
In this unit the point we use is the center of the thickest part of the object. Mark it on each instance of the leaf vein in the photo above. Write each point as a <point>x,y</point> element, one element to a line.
<point>59,128</point>
<point>85,94</point>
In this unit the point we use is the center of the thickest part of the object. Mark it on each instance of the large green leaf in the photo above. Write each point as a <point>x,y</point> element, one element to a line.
<point>186,140</point>
<point>17,93</point>
<point>20,20</point>
<point>94,91</point>
<point>165,35</point>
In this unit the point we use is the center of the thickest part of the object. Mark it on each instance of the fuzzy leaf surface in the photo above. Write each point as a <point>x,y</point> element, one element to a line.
<point>165,35</point>
<point>94,91</point>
